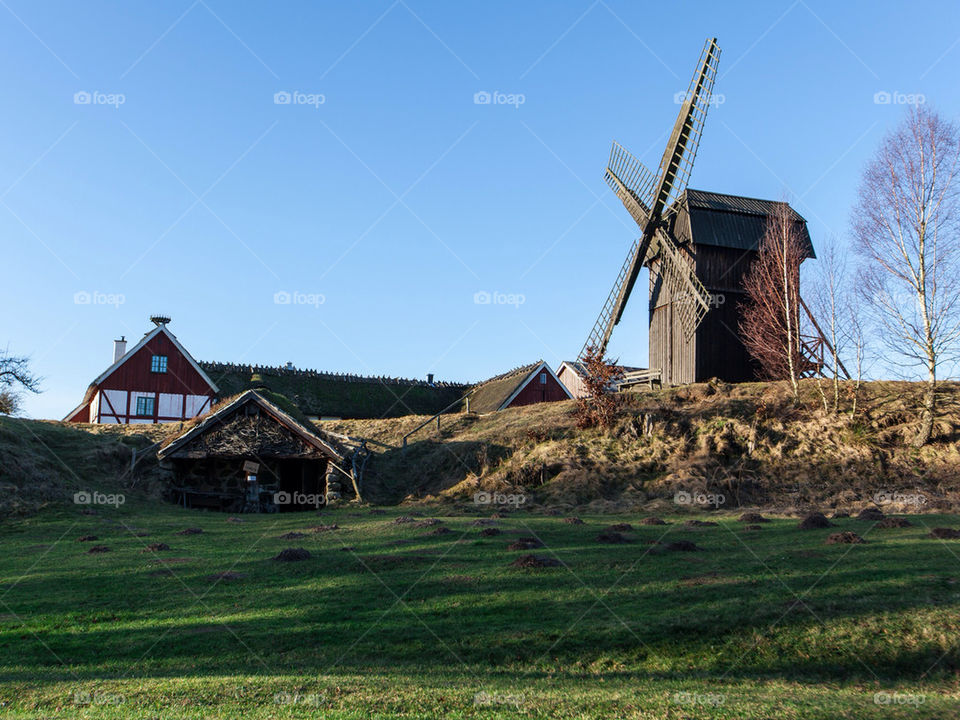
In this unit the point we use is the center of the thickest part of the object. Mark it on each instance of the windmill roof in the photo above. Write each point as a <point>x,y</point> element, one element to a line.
<point>731,221</point>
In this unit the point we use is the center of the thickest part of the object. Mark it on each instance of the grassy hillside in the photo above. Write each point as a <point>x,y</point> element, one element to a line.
<point>42,464</point>
<point>747,442</point>
<point>391,619</point>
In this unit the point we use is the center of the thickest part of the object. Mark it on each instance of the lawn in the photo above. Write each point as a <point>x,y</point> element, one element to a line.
<point>389,619</point>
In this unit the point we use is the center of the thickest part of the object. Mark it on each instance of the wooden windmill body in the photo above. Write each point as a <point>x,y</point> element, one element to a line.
<point>698,247</point>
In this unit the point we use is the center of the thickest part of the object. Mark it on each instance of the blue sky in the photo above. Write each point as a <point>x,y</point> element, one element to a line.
<point>386,193</point>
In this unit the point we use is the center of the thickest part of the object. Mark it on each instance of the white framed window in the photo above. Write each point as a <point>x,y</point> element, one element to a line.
<point>158,364</point>
<point>145,406</point>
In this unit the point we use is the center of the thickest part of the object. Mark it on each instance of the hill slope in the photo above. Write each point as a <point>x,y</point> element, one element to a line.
<point>747,442</point>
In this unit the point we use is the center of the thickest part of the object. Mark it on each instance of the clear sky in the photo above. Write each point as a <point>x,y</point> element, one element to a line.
<point>382,197</point>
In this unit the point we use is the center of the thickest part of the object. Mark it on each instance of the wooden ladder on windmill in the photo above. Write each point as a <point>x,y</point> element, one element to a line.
<point>647,197</point>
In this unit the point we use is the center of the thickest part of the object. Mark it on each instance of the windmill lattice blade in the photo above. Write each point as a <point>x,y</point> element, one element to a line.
<point>677,162</point>
<point>603,327</point>
<point>690,297</point>
<point>631,182</point>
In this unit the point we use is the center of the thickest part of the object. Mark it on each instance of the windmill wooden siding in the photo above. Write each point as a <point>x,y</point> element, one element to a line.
<point>719,235</point>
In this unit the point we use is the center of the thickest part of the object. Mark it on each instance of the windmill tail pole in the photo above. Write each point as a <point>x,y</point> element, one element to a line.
<point>823,337</point>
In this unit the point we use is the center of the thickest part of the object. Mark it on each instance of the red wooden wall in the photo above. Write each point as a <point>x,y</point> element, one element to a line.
<point>135,374</point>
<point>535,392</point>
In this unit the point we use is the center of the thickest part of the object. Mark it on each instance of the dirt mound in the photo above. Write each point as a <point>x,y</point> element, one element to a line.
<point>97,549</point>
<point>815,521</point>
<point>483,522</point>
<point>156,547</point>
<point>292,536</point>
<point>889,523</point>
<point>700,523</point>
<point>216,577</point>
<point>844,538</point>
<point>871,514</point>
<point>490,532</point>
<point>87,538</point>
<point>682,546</point>
<point>191,531</point>
<point>324,528</point>
<point>429,522</point>
<point>753,518</point>
<point>620,527</point>
<point>293,555</point>
<point>652,521</point>
<point>612,537</point>
<point>535,561</point>
<point>939,533</point>
<point>525,543</point>
<point>840,514</point>
<point>753,527</point>
<point>403,519</point>
<point>572,521</point>
<point>439,530</point>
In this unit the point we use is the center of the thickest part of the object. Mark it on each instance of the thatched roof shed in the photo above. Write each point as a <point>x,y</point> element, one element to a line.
<point>524,385</point>
<point>259,435</point>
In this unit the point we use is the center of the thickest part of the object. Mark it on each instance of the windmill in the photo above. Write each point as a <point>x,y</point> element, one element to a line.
<point>649,199</point>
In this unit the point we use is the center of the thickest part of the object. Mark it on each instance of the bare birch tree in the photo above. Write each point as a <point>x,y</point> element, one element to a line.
<point>906,232</point>
<point>770,323</point>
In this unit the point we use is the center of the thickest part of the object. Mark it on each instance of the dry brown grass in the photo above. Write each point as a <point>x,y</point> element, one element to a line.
<point>747,442</point>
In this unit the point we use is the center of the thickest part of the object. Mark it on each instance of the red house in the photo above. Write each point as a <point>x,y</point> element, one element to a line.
<point>156,381</point>
<point>535,383</point>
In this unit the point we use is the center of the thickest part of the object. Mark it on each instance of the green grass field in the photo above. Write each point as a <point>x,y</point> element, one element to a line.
<point>388,620</point>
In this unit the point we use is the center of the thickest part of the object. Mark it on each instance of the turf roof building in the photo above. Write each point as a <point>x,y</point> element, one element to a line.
<point>526,385</point>
<point>254,452</point>
<point>156,381</point>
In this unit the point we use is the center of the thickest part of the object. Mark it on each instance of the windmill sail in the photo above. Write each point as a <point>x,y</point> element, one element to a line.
<point>645,196</point>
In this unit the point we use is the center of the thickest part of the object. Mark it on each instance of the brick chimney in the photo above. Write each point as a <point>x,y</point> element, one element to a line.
<point>119,347</point>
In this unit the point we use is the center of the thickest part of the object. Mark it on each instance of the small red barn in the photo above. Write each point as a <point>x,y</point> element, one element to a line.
<point>534,383</point>
<point>156,381</point>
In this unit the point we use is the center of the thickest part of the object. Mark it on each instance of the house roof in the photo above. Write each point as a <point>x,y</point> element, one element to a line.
<point>92,387</point>
<point>578,367</point>
<point>499,391</point>
<point>272,407</point>
<point>731,221</point>
<point>339,395</point>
